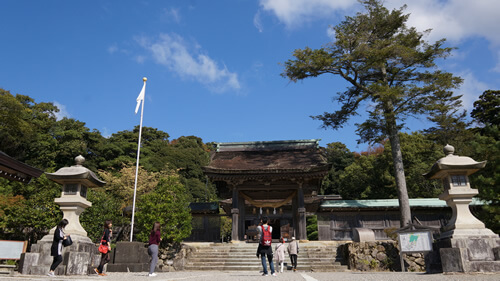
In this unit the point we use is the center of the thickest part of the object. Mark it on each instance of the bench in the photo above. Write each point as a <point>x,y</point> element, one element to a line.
<point>11,250</point>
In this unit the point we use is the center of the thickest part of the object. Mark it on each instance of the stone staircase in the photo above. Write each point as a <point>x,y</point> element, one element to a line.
<point>313,256</point>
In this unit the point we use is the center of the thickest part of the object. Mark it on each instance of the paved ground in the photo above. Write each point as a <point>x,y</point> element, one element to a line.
<point>250,275</point>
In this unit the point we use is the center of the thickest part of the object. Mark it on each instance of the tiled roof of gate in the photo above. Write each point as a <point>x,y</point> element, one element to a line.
<point>275,156</point>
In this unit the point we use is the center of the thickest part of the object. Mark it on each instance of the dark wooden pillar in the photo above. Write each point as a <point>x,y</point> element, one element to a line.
<point>235,211</point>
<point>241,216</point>
<point>302,214</point>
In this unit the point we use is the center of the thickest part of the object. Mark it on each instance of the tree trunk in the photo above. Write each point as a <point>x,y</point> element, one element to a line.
<point>399,173</point>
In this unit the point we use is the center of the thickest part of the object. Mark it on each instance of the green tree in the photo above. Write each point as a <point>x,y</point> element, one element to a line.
<point>312,228</point>
<point>30,216</point>
<point>487,108</point>
<point>105,206</point>
<point>368,177</point>
<point>486,146</point>
<point>420,153</point>
<point>340,157</point>
<point>389,68</point>
<point>25,130</point>
<point>169,205</point>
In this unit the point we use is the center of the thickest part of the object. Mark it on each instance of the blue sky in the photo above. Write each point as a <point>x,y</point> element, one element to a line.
<point>213,67</point>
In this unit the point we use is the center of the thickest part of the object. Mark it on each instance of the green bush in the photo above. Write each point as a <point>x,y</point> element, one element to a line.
<point>168,204</point>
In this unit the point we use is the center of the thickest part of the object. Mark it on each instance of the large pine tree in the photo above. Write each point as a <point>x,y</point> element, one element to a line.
<point>391,69</point>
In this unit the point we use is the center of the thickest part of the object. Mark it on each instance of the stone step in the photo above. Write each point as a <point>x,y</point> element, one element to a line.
<point>259,268</point>
<point>7,268</point>
<point>304,260</point>
<point>242,256</point>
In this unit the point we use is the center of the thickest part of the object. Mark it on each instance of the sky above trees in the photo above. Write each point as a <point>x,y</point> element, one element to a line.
<point>213,67</point>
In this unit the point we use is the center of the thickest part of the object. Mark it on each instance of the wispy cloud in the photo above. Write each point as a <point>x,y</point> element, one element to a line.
<point>257,22</point>
<point>471,89</point>
<point>190,62</point>
<point>63,112</point>
<point>112,49</point>
<point>173,14</point>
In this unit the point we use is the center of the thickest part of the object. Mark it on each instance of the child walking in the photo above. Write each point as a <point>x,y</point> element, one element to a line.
<point>279,253</point>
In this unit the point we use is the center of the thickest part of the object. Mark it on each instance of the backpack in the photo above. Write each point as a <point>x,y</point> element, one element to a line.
<point>267,236</point>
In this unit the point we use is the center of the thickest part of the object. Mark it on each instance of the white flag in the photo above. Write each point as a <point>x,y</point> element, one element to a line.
<point>140,97</point>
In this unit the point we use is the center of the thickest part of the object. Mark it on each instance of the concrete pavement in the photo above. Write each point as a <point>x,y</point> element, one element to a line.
<point>251,275</point>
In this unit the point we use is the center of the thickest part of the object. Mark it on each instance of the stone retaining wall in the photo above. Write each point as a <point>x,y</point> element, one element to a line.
<point>380,256</point>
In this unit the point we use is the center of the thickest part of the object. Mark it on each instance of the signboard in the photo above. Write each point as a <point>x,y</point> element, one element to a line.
<point>12,250</point>
<point>415,242</point>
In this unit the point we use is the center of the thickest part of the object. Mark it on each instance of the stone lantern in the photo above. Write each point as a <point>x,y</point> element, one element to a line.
<point>465,244</point>
<point>82,255</point>
<point>73,201</point>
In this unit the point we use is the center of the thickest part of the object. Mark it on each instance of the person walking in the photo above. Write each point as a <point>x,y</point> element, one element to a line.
<point>57,245</point>
<point>266,250</point>
<point>293,250</point>
<point>154,241</point>
<point>279,253</point>
<point>105,240</point>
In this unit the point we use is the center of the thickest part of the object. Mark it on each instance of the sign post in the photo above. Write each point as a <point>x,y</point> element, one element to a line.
<point>414,239</point>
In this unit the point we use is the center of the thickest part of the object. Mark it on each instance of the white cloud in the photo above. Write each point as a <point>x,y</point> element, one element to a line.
<point>330,33</point>
<point>295,12</point>
<point>172,51</point>
<point>173,14</point>
<point>140,59</point>
<point>455,20</point>
<point>470,90</point>
<point>62,111</point>
<point>112,49</point>
<point>257,22</point>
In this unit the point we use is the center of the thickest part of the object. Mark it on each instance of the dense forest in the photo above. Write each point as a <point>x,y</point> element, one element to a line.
<point>170,174</point>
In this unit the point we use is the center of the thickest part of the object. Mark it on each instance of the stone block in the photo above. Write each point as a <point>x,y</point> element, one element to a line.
<point>496,253</point>
<point>130,252</point>
<point>479,250</point>
<point>27,261</point>
<point>43,270</point>
<point>452,259</point>
<point>95,260</point>
<point>433,262</point>
<point>77,263</point>
<point>484,266</point>
<point>363,235</point>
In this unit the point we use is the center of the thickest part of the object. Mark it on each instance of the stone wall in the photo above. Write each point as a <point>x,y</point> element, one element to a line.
<point>172,258</point>
<point>380,256</point>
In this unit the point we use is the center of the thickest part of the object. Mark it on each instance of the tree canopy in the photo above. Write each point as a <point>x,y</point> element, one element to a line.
<point>390,68</point>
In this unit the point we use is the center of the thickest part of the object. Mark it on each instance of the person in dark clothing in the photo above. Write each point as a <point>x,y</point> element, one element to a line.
<point>56,249</point>
<point>105,240</point>
<point>154,241</point>
<point>265,249</point>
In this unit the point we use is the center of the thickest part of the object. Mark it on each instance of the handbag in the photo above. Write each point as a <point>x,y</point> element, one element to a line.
<point>67,242</point>
<point>103,248</point>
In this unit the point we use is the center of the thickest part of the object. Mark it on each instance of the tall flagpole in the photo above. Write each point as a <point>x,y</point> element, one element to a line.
<point>139,98</point>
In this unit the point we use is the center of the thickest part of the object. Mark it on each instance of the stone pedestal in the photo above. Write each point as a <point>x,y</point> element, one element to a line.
<point>471,254</point>
<point>129,257</point>
<point>78,259</point>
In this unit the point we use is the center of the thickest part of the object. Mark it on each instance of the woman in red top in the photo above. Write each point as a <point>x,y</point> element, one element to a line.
<point>154,241</point>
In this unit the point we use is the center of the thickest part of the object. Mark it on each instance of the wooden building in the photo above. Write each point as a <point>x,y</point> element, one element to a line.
<point>277,179</point>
